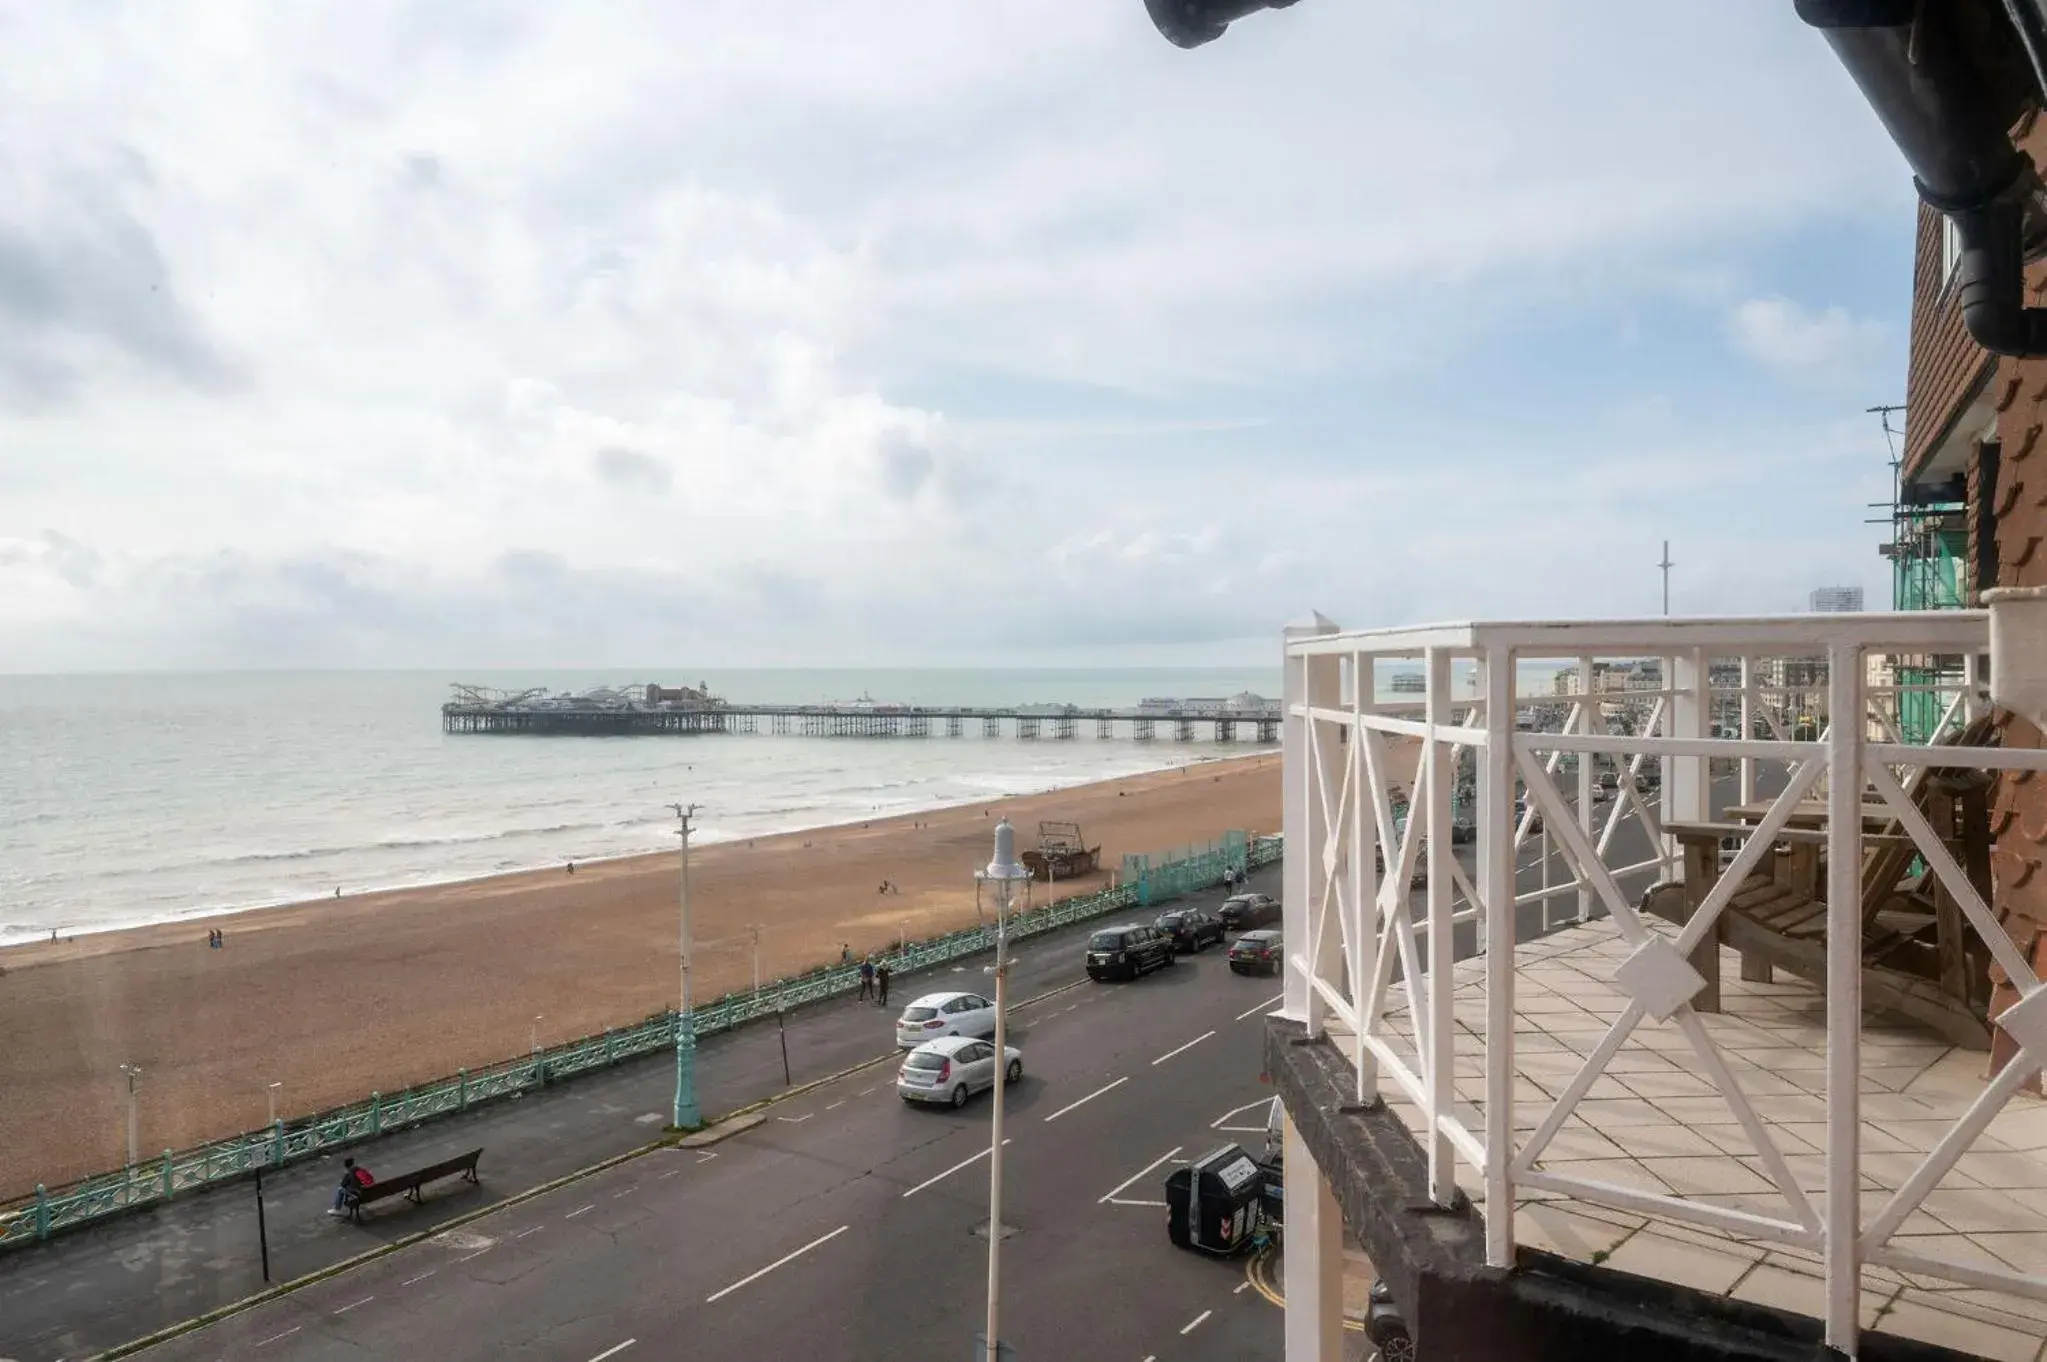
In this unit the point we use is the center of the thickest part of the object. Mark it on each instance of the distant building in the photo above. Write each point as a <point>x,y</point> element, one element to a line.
<point>1409,683</point>
<point>1837,600</point>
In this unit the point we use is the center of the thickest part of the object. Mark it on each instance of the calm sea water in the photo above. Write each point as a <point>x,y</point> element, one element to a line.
<point>149,798</point>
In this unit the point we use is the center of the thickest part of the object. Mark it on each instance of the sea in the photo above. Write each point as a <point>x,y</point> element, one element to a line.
<point>150,798</point>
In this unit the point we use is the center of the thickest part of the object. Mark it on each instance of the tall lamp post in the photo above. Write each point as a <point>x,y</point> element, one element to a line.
<point>686,1113</point>
<point>1002,877</point>
<point>132,1072</point>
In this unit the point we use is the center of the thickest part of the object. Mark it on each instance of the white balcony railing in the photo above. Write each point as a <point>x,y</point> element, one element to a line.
<point>1359,958</point>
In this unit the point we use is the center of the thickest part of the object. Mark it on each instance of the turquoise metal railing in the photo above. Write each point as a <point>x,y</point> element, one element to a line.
<point>1145,881</point>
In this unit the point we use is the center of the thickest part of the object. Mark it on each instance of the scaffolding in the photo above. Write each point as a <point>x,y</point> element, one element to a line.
<point>1928,553</point>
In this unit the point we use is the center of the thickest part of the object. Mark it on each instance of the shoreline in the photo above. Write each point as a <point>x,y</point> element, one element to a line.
<point>20,953</point>
<point>336,998</point>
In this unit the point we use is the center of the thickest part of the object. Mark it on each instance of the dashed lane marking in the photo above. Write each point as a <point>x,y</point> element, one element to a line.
<point>420,1278</point>
<point>579,1210</point>
<point>797,1120</point>
<point>717,1296</point>
<point>346,1308</point>
<point>1138,1174</point>
<point>1089,1098</point>
<point>614,1350</point>
<point>1181,1049</point>
<point>1265,1006</point>
<point>275,1337</point>
<point>1191,1325</point>
<point>963,1163</point>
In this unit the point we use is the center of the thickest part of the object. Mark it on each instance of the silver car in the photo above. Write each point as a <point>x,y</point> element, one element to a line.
<point>945,1014</point>
<point>953,1069</point>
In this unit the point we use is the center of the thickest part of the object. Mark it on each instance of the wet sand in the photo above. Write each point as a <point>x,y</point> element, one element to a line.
<point>338,997</point>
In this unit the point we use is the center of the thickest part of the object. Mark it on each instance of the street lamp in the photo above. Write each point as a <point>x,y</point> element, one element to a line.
<point>1002,877</point>
<point>686,1114</point>
<point>273,1102</point>
<point>133,1072</point>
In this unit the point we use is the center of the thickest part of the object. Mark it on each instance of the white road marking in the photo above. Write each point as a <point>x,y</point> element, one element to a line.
<point>614,1350</point>
<point>478,1254</point>
<point>578,1211</point>
<point>1138,1174</point>
<point>1089,1098</point>
<point>1069,1007</point>
<point>420,1278</point>
<point>1188,1046</point>
<point>1126,1201</point>
<point>834,1106</point>
<point>1266,1006</point>
<point>523,1233</point>
<point>1217,1123</point>
<point>707,1156</point>
<point>948,1172</point>
<point>864,1091</point>
<point>797,1120</point>
<point>627,1192</point>
<point>274,1337</point>
<point>671,1173</point>
<point>346,1308</point>
<point>1194,1323</point>
<point>1242,1287</point>
<point>786,1258</point>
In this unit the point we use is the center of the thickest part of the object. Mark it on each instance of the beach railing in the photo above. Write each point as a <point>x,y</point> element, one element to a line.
<point>1145,880</point>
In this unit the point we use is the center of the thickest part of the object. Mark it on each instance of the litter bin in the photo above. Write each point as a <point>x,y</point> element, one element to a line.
<point>1212,1205</point>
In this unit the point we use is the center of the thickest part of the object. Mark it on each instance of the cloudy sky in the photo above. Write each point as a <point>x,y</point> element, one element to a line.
<point>756,332</point>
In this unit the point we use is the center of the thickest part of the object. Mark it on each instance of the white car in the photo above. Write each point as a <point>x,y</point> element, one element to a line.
<point>945,1014</point>
<point>953,1069</point>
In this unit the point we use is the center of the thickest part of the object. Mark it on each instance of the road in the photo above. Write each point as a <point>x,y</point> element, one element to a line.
<point>849,1224</point>
<point>93,1289</point>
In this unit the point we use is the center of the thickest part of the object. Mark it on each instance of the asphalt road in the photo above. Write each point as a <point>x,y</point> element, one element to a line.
<point>124,1279</point>
<point>848,1224</point>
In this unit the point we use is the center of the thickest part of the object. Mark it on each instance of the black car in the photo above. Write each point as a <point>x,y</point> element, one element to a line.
<point>1386,1327</point>
<point>1256,953</point>
<point>1191,928</point>
<point>1243,911</point>
<point>1126,952</point>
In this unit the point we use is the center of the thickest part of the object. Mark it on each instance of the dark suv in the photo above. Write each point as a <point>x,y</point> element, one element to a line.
<point>1126,952</point>
<point>1257,953</point>
<point>1191,928</point>
<point>1242,911</point>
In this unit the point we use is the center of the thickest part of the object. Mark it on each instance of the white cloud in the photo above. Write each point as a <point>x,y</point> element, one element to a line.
<point>392,332</point>
<point>1827,343</point>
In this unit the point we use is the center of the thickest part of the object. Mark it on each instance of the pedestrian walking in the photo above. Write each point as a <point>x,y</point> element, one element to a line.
<point>881,974</point>
<point>845,954</point>
<point>866,979</point>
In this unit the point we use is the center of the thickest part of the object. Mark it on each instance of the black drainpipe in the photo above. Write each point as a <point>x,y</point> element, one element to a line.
<point>1907,59</point>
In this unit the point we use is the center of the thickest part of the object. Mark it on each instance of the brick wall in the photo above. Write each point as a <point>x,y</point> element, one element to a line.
<point>1946,365</point>
<point>2016,499</point>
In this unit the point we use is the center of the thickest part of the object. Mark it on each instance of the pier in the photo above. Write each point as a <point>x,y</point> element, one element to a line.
<point>1243,718</point>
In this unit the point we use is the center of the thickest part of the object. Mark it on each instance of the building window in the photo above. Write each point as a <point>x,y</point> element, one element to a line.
<point>1950,250</point>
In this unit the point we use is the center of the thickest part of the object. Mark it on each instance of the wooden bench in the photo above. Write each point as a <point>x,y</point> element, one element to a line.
<point>410,1183</point>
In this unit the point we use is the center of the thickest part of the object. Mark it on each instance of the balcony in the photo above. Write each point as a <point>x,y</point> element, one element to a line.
<point>1739,1105</point>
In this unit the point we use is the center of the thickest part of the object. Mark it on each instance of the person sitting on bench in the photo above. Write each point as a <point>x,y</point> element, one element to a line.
<point>353,1180</point>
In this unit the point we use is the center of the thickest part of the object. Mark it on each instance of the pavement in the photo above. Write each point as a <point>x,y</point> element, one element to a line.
<point>96,1288</point>
<point>851,1225</point>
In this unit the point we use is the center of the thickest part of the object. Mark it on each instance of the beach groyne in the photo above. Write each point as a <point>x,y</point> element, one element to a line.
<point>51,1211</point>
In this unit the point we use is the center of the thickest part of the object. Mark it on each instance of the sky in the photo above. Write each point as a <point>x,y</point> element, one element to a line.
<point>758,333</point>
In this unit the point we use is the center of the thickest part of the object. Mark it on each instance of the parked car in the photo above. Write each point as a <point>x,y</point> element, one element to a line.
<point>953,1069</point>
<point>1126,952</point>
<point>1257,953</point>
<point>1191,928</point>
<point>1242,911</point>
<point>945,1014</point>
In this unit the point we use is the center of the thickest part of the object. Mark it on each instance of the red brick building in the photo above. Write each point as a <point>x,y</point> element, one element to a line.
<point>1973,510</point>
